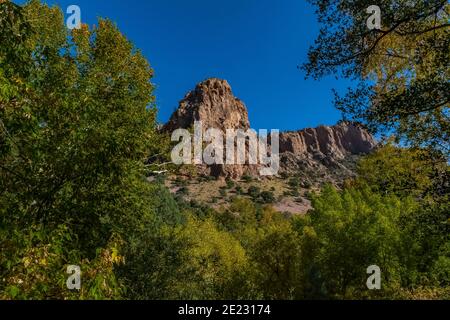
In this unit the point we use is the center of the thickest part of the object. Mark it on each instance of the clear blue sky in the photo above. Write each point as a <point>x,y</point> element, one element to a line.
<point>254,44</point>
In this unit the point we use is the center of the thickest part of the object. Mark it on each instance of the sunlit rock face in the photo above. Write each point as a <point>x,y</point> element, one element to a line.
<point>317,150</point>
<point>335,141</point>
<point>212,102</point>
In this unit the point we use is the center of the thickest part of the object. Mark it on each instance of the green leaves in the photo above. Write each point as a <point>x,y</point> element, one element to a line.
<point>75,130</point>
<point>403,69</point>
<point>356,229</point>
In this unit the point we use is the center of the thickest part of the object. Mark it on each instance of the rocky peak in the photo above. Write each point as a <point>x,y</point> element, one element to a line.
<point>313,150</point>
<point>213,103</point>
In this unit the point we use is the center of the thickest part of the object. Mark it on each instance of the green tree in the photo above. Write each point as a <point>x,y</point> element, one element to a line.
<point>213,264</point>
<point>275,262</point>
<point>267,197</point>
<point>254,192</point>
<point>419,174</point>
<point>400,171</point>
<point>355,229</point>
<point>77,123</point>
<point>403,68</point>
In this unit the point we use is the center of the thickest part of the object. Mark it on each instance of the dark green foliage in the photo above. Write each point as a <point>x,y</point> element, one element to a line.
<point>183,191</point>
<point>230,184</point>
<point>294,193</point>
<point>254,191</point>
<point>307,184</point>
<point>294,182</point>
<point>267,197</point>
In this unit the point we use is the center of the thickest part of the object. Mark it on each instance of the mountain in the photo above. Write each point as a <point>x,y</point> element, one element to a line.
<point>325,150</point>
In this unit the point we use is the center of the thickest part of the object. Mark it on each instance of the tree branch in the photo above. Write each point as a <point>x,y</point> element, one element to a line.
<point>424,31</point>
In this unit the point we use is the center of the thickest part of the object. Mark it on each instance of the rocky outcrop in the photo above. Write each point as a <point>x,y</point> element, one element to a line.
<point>337,141</point>
<point>319,150</point>
<point>326,153</point>
<point>213,103</point>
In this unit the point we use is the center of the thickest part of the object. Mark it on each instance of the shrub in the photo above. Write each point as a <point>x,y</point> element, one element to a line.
<point>295,193</point>
<point>299,200</point>
<point>294,182</point>
<point>183,191</point>
<point>267,197</point>
<point>254,192</point>
<point>307,184</point>
<point>230,183</point>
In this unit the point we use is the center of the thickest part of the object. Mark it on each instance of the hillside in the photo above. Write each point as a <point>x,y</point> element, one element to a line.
<point>309,158</point>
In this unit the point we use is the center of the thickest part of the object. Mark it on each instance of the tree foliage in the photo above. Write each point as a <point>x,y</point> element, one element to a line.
<point>77,122</point>
<point>403,68</point>
<point>404,172</point>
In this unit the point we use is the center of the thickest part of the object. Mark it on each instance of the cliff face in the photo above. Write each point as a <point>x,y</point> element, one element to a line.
<point>324,150</point>
<point>324,153</point>
<point>337,141</point>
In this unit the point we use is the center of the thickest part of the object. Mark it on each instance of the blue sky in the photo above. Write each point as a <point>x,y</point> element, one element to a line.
<point>254,44</point>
